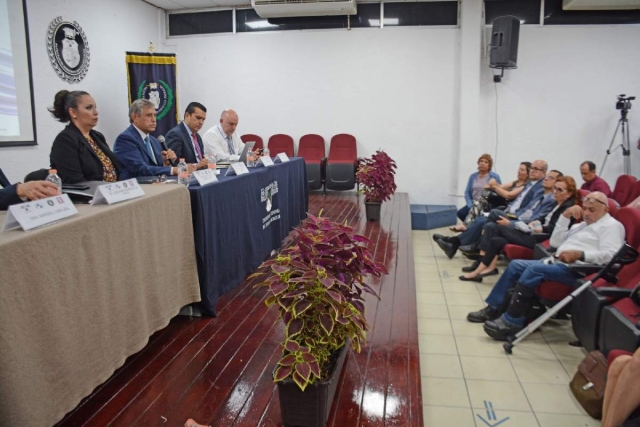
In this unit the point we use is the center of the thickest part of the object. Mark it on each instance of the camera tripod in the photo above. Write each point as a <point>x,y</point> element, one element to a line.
<point>623,124</point>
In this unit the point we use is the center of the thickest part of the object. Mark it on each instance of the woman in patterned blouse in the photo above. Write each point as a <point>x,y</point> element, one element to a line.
<point>80,153</point>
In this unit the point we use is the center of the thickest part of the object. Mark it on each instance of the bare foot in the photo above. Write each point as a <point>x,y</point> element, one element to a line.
<point>191,423</point>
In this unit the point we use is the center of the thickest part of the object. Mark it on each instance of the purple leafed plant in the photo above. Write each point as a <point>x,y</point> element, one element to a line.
<point>376,176</point>
<point>318,284</point>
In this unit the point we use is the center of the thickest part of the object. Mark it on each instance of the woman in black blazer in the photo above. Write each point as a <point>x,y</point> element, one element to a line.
<point>80,153</point>
<point>565,193</point>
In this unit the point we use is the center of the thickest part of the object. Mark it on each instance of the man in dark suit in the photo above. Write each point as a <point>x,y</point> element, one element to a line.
<point>184,139</point>
<point>140,153</point>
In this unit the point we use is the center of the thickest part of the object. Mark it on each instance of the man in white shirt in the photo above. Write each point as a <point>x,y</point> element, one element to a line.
<point>222,140</point>
<point>595,240</point>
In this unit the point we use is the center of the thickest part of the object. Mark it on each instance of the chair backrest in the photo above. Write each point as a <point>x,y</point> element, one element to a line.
<point>280,143</point>
<point>624,189</point>
<point>311,148</point>
<point>630,219</point>
<point>343,149</point>
<point>635,194</point>
<point>613,207</point>
<point>583,193</point>
<point>39,175</point>
<point>251,137</point>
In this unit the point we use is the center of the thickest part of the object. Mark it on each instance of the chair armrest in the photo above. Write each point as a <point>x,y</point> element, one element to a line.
<point>616,293</point>
<point>539,251</point>
<point>540,237</point>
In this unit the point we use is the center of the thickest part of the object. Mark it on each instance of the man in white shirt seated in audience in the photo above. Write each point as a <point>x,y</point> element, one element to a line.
<point>595,240</point>
<point>222,140</point>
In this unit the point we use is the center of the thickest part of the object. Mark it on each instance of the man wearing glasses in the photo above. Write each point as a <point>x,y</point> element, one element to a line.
<point>528,200</point>
<point>595,240</point>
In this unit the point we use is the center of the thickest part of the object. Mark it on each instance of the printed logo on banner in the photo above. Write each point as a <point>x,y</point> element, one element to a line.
<point>266,196</point>
<point>160,94</point>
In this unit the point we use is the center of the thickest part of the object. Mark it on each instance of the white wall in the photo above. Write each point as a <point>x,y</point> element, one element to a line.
<point>112,28</point>
<point>559,105</point>
<point>391,89</point>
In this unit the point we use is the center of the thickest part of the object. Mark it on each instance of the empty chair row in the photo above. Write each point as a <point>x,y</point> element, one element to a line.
<point>335,172</point>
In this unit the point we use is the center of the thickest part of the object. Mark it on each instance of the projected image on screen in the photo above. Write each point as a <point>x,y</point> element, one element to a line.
<point>16,100</point>
<point>9,121</point>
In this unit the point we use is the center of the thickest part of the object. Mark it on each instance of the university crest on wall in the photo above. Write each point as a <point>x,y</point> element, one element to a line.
<point>68,50</point>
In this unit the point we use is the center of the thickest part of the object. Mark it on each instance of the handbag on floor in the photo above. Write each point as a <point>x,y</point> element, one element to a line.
<point>588,383</point>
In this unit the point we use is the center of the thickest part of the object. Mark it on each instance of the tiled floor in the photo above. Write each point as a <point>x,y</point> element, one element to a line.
<point>467,378</point>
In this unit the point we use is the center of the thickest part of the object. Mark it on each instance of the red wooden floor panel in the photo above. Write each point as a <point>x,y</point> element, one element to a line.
<point>218,370</point>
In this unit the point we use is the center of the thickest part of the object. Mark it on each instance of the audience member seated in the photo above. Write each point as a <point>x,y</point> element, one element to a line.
<point>222,140</point>
<point>595,240</point>
<point>622,392</point>
<point>505,193</point>
<point>184,139</point>
<point>525,207</point>
<point>140,153</point>
<point>79,152</point>
<point>493,240</point>
<point>477,182</point>
<point>593,182</point>
<point>32,190</point>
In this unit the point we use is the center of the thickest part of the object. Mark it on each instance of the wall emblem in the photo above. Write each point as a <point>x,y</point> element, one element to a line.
<point>159,93</point>
<point>68,50</point>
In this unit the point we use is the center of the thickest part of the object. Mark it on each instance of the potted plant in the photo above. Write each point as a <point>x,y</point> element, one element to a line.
<point>376,175</point>
<point>317,282</point>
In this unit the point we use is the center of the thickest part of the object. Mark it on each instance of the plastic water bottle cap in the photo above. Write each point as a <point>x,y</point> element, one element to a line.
<point>182,160</point>
<point>53,170</point>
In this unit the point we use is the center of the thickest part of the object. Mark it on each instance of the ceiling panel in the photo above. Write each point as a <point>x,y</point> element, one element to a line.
<point>164,4</point>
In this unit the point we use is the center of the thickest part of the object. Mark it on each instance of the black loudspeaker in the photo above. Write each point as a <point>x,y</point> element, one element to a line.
<point>504,42</point>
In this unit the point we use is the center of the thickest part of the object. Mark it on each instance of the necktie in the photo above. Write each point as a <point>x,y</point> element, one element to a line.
<point>147,143</point>
<point>195,144</point>
<point>230,145</point>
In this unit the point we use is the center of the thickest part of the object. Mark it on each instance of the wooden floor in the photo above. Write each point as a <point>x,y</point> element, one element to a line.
<point>218,370</point>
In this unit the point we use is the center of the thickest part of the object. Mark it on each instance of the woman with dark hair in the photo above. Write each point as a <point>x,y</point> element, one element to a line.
<point>477,182</point>
<point>499,195</point>
<point>80,153</point>
<point>565,193</point>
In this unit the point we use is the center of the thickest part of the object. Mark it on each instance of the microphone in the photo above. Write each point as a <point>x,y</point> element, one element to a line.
<point>162,142</point>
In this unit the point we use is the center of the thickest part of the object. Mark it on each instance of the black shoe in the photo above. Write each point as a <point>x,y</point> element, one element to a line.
<point>437,237</point>
<point>449,249</point>
<point>493,272</point>
<point>470,249</point>
<point>470,279</point>
<point>471,268</point>
<point>472,257</point>
<point>499,330</point>
<point>481,316</point>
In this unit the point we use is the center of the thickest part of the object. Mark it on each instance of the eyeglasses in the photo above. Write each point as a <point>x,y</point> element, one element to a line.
<point>593,199</point>
<point>559,190</point>
<point>550,177</point>
<point>537,169</point>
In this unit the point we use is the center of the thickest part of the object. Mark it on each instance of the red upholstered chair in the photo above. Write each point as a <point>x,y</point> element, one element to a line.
<point>620,326</point>
<point>255,138</point>
<point>340,170</point>
<point>624,189</point>
<point>613,355</point>
<point>311,149</point>
<point>281,143</point>
<point>635,194</point>
<point>583,193</point>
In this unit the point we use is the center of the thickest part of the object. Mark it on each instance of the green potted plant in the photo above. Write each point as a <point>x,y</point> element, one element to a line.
<point>317,282</point>
<point>376,176</point>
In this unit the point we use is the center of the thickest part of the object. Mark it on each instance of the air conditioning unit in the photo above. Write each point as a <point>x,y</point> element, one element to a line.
<point>289,8</point>
<point>600,4</point>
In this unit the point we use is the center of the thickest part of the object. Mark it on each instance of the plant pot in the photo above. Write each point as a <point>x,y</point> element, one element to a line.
<point>310,408</point>
<point>372,210</point>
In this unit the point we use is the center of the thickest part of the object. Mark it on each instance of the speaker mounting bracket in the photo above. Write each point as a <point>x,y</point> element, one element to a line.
<point>498,78</point>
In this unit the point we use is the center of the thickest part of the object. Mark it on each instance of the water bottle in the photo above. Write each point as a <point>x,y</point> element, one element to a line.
<point>183,173</point>
<point>53,177</point>
<point>265,152</point>
<point>250,161</point>
<point>211,162</point>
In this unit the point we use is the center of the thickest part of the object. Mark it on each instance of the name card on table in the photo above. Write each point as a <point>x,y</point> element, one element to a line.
<point>281,158</point>
<point>265,161</point>
<point>238,168</point>
<point>30,215</point>
<point>115,192</point>
<point>203,177</point>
